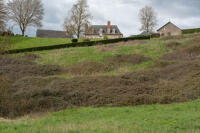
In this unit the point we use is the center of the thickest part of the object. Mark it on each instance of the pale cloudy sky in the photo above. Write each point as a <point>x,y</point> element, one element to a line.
<point>124,13</point>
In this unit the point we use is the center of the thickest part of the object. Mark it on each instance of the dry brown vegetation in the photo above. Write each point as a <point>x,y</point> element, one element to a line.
<point>4,44</point>
<point>112,47</point>
<point>185,52</point>
<point>26,87</point>
<point>112,63</point>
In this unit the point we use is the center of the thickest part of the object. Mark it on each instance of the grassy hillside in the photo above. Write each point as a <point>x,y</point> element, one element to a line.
<point>174,118</point>
<point>75,56</point>
<point>100,85</point>
<point>83,56</point>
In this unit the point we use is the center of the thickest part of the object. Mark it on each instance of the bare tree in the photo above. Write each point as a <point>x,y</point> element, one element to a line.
<point>148,18</point>
<point>2,15</point>
<point>26,13</point>
<point>78,17</point>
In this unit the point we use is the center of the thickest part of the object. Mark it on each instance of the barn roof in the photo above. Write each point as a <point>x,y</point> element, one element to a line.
<point>94,30</point>
<point>168,24</point>
<point>51,34</point>
<point>146,33</point>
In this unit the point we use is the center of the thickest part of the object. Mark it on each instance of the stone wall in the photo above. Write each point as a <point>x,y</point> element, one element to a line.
<point>170,29</point>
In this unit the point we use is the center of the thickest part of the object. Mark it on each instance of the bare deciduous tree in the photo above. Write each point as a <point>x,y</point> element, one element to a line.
<point>77,18</point>
<point>148,19</point>
<point>26,13</point>
<point>2,15</point>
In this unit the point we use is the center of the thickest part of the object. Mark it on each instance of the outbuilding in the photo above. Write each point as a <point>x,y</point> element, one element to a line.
<point>169,29</point>
<point>51,34</point>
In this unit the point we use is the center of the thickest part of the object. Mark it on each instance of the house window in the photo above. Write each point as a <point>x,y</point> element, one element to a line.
<point>113,31</point>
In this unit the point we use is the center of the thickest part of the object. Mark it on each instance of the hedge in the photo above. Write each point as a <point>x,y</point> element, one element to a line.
<point>189,31</point>
<point>78,44</point>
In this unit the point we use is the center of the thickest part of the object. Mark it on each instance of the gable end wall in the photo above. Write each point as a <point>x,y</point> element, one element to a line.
<point>170,29</point>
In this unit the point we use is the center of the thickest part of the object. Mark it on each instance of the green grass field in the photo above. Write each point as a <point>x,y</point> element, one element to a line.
<point>174,118</point>
<point>29,42</point>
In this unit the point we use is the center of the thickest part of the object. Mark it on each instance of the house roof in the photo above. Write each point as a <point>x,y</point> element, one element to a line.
<point>51,34</point>
<point>167,24</point>
<point>94,30</point>
<point>146,33</point>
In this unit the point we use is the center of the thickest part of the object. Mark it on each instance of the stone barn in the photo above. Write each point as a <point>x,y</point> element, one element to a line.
<point>169,29</point>
<point>51,34</point>
<point>101,31</point>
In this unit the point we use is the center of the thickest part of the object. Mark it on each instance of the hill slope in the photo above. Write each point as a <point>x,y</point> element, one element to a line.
<point>160,71</point>
<point>124,74</point>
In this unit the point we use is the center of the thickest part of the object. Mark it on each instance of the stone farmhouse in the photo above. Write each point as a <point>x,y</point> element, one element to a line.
<point>101,31</point>
<point>169,29</point>
<point>51,34</point>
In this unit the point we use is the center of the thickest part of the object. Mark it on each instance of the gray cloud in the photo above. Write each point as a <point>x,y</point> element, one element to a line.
<point>124,13</point>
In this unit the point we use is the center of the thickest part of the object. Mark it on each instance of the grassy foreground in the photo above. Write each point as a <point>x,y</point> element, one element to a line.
<point>173,118</point>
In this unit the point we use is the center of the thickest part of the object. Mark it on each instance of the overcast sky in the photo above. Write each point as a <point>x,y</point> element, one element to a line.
<point>124,13</point>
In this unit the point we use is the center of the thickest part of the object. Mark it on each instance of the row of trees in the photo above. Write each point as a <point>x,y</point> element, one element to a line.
<point>26,13</point>
<point>3,15</point>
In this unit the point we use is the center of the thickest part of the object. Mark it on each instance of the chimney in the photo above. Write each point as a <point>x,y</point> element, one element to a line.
<point>108,27</point>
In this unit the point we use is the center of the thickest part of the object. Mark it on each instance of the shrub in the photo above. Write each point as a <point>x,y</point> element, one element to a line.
<point>18,35</point>
<point>189,31</point>
<point>7,33</point>
<point>4,44</point>
<point>105,37</point>
<point>74,40</point>
<point>86,40</point>
<point>79,44</point>
<point>155,35</point>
